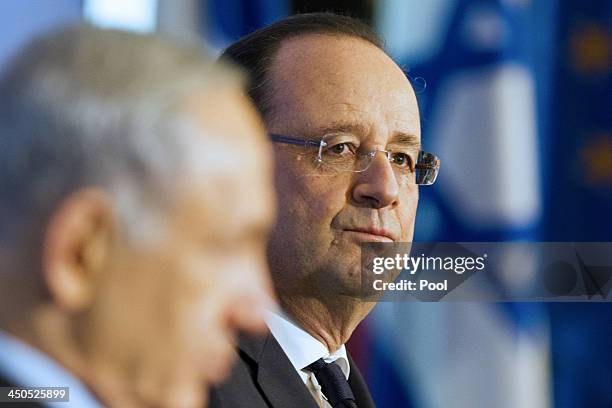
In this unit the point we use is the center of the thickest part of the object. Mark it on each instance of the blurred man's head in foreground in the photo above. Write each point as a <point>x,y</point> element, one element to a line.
<point>128,251</point>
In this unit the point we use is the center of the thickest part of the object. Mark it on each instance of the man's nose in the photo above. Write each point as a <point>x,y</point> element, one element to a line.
<point>377,186</point>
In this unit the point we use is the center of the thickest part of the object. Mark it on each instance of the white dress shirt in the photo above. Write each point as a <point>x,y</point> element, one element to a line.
<point>302,350</point>
<point>25,366</point>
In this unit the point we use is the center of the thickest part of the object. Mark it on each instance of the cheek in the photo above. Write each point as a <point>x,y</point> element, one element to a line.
<point>132,309</point>
<point>196,296</point>
<point>224,273</point>
<point>306,210</point>
<point>326,202</point>
<point>303,196</point>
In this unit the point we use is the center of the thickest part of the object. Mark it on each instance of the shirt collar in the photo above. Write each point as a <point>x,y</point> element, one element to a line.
<point>301,348</point>
<point>28,367</point>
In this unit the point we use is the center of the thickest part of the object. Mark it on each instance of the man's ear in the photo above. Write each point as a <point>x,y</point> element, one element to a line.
<point>77,246</point>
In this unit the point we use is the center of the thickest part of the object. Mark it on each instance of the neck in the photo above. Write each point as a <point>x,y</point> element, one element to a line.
<point>48,330</point>
<point>332,322</point>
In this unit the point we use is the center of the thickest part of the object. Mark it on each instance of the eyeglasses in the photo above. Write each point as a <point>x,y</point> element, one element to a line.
<point>340,153</point>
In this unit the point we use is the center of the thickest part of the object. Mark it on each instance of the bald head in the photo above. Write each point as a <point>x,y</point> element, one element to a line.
<point>92,107</point>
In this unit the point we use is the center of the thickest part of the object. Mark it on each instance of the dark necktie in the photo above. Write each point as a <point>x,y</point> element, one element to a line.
<point>333,384</point>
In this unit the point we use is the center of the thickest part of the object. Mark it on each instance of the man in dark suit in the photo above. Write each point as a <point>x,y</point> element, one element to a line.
<point>345,125</point>
<point>120,276</point>
<point>264,377</point>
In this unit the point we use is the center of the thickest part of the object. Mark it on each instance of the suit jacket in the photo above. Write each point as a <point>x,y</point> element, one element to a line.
<point>263,377</point>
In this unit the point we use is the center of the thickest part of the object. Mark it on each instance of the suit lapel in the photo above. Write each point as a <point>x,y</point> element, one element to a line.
<point>276,376</point>
<point>359,386</point>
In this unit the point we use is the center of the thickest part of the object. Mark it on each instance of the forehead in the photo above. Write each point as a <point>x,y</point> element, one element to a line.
<point>321,79</point>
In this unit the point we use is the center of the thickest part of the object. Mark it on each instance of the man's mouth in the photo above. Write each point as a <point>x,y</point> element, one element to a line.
<point>372,234</point>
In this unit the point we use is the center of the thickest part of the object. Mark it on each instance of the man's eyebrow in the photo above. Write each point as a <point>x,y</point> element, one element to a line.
<point>405,139</point>
<point>355,128</point>
<point>360,129</point>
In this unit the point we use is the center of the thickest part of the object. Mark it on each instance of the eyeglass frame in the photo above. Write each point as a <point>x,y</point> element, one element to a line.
<point>277,138</point>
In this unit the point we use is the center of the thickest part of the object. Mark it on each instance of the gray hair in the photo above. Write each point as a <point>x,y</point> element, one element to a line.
<point>91,107</point>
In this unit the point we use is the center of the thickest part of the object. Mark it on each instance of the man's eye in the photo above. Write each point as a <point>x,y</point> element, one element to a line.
<point>402,160</point>
<point>341,148</point>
